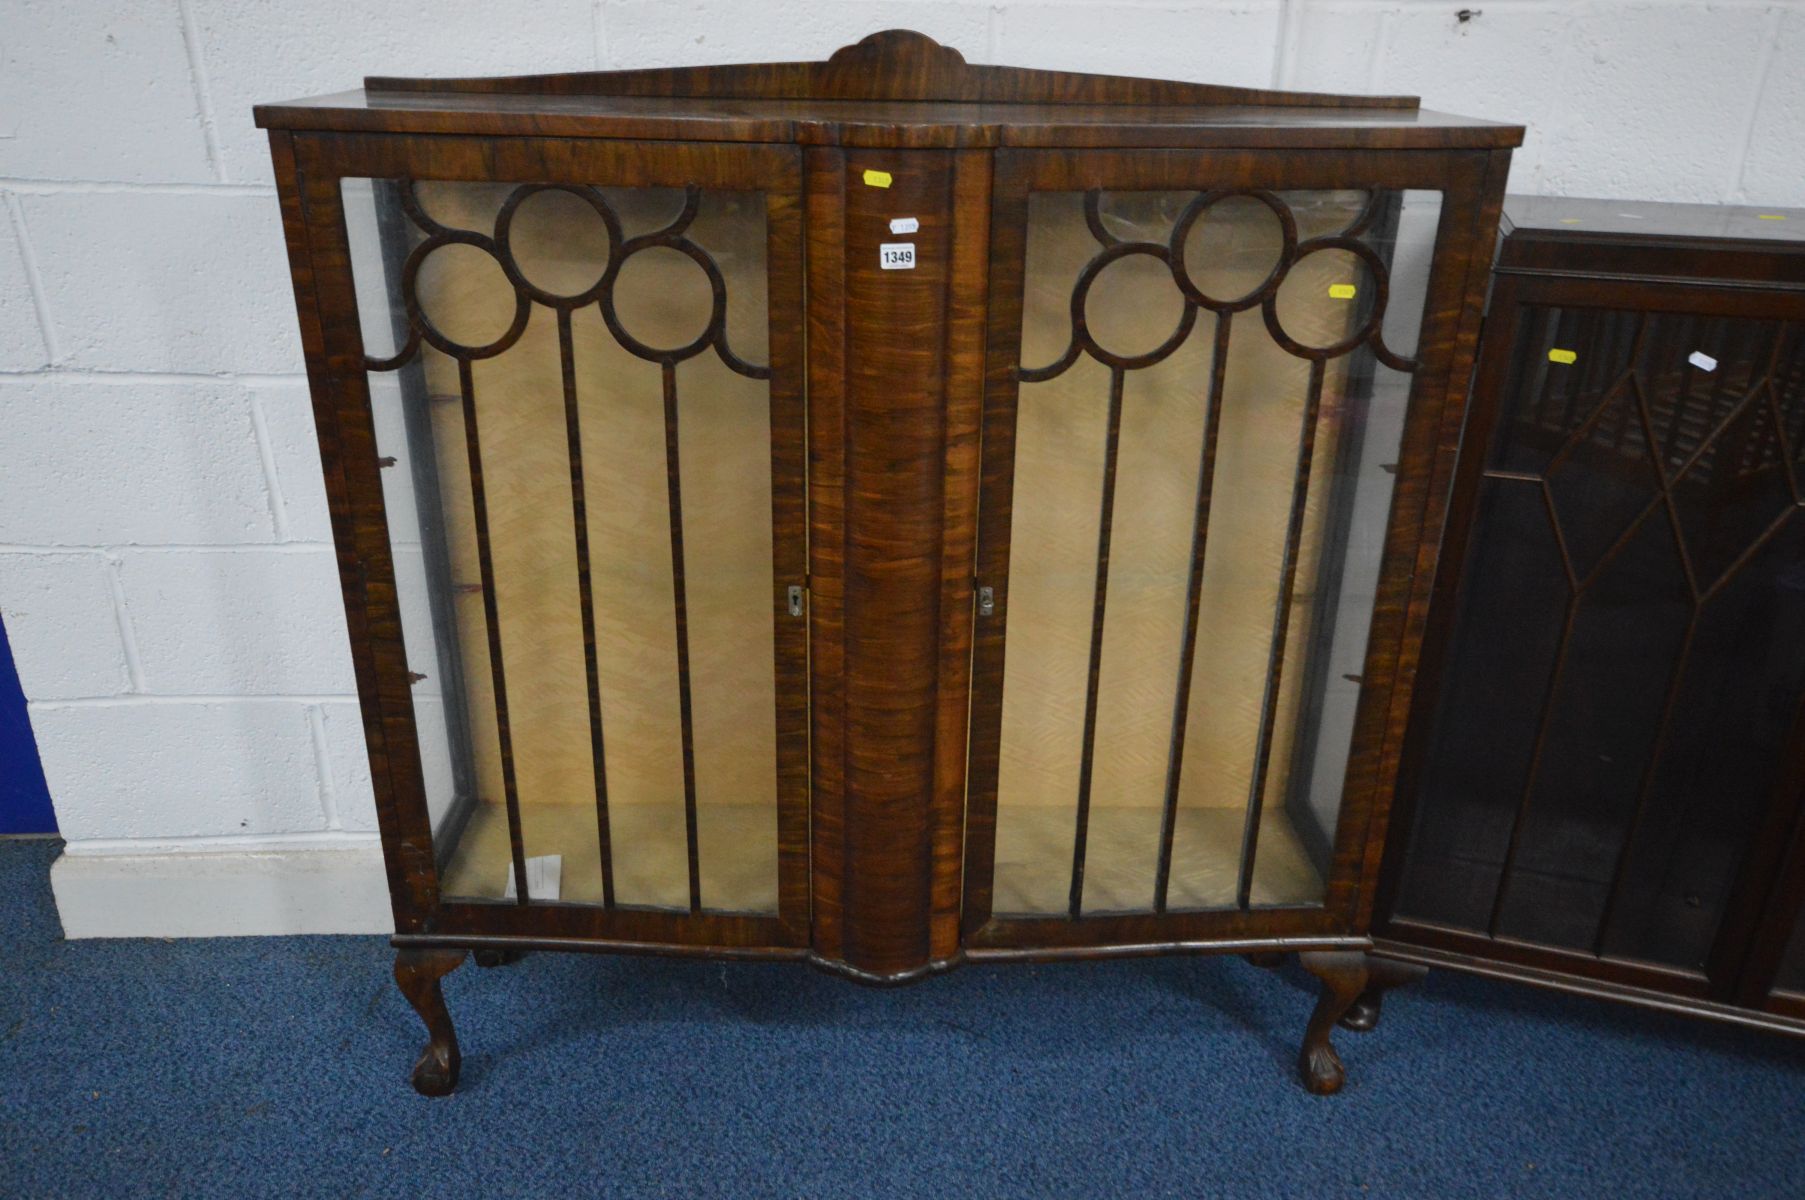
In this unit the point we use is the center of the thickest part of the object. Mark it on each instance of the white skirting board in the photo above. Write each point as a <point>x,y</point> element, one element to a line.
<point>222,893</point>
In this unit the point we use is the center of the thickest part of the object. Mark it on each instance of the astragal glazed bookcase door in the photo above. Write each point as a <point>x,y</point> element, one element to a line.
<point>1197,402</point>
<point>1609,782</point>
<point>584,388</point>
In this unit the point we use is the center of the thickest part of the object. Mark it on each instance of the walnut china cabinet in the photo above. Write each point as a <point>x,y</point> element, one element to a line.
<point>885,512</point>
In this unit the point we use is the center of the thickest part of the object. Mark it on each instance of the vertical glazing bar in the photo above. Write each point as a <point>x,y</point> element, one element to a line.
<point>1200,528</point>
<point>1544,718</point>
<point>479,506</point>
<point>586,602</point>
<point>1281,624</point>
<point>1645,789</point>
<point>1112,441</point>
<point>673,478</point>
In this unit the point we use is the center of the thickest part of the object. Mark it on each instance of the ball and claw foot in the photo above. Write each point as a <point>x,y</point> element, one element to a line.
<point>436,1070</point>
<point>1344,975</point>
<point>1321,1069</point>
<point>417,973</point>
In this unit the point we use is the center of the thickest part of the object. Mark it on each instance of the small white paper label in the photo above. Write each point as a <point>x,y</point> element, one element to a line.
<point>904,224</point>
<point>896,256</point>
<point>1702,361</point>
<point>543,875</point>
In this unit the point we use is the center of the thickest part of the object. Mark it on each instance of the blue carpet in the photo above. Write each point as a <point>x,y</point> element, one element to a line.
<point>251,1067</point>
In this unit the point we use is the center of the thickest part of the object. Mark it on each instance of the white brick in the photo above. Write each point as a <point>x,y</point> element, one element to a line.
<point>287,411</point>
<point>1632,100</point>
<point>1228,43</point>
<point>1332,47</point>
<point>350,766</point>
<point>98,91</point>
<point>111,463</point>
<point>254,54</point>
<point>21,336</point>
<point>60,619</point>
<point>151,769</point>
<point>191,282</point>
<point>238,622</point>
<point>653,33</point>
<point>1774,172</point>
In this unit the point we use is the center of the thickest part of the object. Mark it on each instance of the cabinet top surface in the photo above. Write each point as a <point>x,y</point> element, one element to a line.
<point>891,89</point>
<point>1544,217</point>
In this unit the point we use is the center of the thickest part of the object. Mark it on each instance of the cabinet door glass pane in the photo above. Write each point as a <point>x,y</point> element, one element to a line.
<point>572,385</point>
<point>1212,395</point>
<point>1628,659</point>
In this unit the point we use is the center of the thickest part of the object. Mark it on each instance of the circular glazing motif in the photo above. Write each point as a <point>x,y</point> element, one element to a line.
<point>1127,307</point>
<point>1330,301</point>
<point>460,297</point>
<point>1231,249</point>
<point>666,301</point>
<point>556,243</point>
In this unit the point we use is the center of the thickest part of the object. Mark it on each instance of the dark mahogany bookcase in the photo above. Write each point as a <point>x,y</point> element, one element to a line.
<point>885,512</point>
<point>1604,783</point>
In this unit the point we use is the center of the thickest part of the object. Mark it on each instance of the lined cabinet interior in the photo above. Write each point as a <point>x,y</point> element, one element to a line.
<point>1190,459</point>
<point>592,452</point>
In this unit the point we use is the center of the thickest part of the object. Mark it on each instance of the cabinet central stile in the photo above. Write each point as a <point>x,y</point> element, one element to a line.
<point>895,392</point>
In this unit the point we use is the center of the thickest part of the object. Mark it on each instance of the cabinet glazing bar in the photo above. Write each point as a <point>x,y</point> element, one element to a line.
<point>1111,448</point>
<point>1200,530</point>
<point>1281,628</point>
<point>479,506</point>
<point>685,711</point>
<point>586,601</point>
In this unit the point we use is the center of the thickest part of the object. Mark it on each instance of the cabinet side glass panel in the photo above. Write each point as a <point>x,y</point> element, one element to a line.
<point>572,384</point>
<point>1211,402</point>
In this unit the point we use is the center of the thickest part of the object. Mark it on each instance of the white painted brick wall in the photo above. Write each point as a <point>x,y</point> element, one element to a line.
<point>194,281</point>
<point>63,625</point>
<point>22,345</point>
<point>100,461</point>
<point>214,615</point>
<point>140,768</point>
<point>165,564</point>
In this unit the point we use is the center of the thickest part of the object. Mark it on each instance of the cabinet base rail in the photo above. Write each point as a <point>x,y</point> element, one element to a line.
<point>1353,981</point>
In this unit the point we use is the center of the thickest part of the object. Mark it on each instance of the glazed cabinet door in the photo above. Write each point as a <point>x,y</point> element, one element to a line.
<point>559,387</point>
<point>1611,771</point>
<point>1216,421</point>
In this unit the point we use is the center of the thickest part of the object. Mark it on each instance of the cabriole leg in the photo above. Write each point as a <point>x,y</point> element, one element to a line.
<point>1382,975</point>
<point>418,973</point>
<point>1344,976</point>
